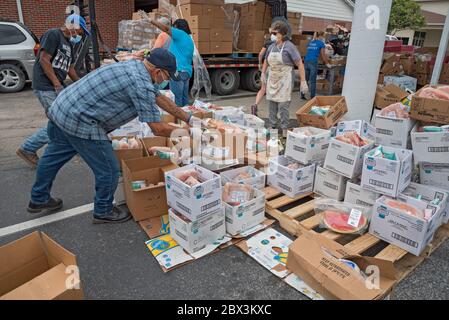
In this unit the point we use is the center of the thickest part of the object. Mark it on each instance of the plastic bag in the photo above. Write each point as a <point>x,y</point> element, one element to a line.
<point>235,194</point>
<point>342,217</point>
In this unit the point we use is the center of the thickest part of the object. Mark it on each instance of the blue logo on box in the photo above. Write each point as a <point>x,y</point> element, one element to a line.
<point>370,163</point>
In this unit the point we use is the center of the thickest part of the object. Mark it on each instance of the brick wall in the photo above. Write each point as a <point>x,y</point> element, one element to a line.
<point>41,15</point>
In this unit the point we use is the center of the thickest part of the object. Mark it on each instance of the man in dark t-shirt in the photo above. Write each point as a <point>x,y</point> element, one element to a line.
<point>53,63</point>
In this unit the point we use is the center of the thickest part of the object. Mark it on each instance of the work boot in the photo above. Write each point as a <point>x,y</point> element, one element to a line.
<point>52,205</point>
<point>115,216</point>
<point>284,133</point>
<point>29,157</point>
<point>254,110</point>
<point>303,96</point>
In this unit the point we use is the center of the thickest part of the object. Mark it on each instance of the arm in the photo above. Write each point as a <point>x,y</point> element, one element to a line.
<point>302,73</point>
<point>169,106</point>
<point>161,26</point>
<point>161,129</point>
<point>48,69</point>
<point>72,74</point>
<point>323,56</point>
<point>261,54</point>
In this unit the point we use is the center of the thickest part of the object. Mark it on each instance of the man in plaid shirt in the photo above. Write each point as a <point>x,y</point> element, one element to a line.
<point>83,115</point>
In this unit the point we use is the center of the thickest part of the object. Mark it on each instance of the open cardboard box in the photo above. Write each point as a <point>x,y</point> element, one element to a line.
<point>388,95</point>
<point>125,154</point>
<point>147,202</point>
<point>35,267</point>
<point>315,259</point>
<point>429,110</point>
<point>338,109</point>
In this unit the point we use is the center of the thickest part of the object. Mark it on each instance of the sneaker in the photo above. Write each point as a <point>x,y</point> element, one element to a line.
<point>115,216</point>
<point>30,158</point>
<point>52,205</point>
<point>254,110</point>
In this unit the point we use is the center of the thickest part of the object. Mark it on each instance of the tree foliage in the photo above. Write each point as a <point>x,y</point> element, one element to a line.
<point>405,14</point>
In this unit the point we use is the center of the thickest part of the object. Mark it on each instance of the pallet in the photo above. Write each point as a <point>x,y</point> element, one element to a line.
<point>296,215</point>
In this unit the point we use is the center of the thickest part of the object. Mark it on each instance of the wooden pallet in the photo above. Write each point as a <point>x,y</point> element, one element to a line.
<point>296,215</point>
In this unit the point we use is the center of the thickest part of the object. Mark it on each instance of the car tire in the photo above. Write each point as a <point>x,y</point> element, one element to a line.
<point>251,80</point>
<point>225,81</point>
<point>12,79</point>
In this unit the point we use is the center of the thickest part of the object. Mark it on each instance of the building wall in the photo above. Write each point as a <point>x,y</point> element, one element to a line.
<point>433,38</point>
<point>440,7</point>
<point>41,15</point>
<point>406,34</point>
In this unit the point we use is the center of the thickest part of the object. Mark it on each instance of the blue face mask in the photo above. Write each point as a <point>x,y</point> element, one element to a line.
<point>75,39</point>
<point>163,85</point>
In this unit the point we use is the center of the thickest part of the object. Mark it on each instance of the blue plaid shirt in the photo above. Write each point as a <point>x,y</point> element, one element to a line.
<point>106,99</point>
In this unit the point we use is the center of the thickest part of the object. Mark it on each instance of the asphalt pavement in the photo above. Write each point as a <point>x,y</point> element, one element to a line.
<point>113,259</point>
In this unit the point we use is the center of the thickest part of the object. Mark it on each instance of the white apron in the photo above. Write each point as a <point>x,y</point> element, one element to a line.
<point>279,83</point>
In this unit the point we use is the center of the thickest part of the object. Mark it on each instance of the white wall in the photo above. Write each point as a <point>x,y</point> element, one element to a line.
<point>440,7</point>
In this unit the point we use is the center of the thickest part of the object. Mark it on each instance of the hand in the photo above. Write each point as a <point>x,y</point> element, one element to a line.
<point>194,122</point>
<point>58,89</point>
<point>260,67</point>
<point>304,87</point>
<point>328,65</point>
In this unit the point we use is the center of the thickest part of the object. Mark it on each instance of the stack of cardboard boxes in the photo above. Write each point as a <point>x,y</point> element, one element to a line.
<point>136,34</point>
<point>255,20</point>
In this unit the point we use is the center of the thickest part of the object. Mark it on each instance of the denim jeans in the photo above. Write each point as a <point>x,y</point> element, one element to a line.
<point>39,139</point>
<point>98,155</point>
<point>311,68</point>
<point>181,89</point>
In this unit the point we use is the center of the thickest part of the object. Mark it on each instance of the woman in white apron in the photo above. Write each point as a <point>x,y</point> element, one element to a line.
<point>282,56</point>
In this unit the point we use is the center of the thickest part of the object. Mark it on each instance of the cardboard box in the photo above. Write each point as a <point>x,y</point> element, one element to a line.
<point>408,232</point>
<point>188,10</point>
<point>220,35</point>
<point>199,22</point>
<point>403,82</point>
<point>430,146</point>
<point>253,122</point>
<point>363,128</point>
<point>388,95</point>
<point>150,201</point>
<point>429,110</point>
<point>290,182</point>
<point>389,177</point>
<point>357,195</point>
<point>36,267</point>
<point>203,2</point>
<point>422,66</point>
<point>201,35</point>
<point>195,235</point>
<point>241,218</point>
<point>203,47</point>
<point>230,114</point>
<point>220,47</point>
<point>307,149</point>
<point>422,78</point>
<point>393,132</point>
<point>434,174</point>
<point>194,202</point>
<point>337,111</point>
<point>258,181</point>
<point>315,259</point>
<point>125,154</point>
<point>214,11</point>
<point>329,184</point>
<point>429,194</point>
<point>346,159</point>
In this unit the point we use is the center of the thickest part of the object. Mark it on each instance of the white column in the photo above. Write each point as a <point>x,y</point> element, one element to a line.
<point>369,27</point>
<point>19,10</point>
<point>441,53</point>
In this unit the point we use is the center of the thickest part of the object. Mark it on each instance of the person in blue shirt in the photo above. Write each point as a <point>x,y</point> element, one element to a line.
<point>182,47</point>
<point>84,113</point>
<point>315,49</point>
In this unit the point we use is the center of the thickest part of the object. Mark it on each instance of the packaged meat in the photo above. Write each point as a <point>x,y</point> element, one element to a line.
<point>379,152</point>
<point>191,181</point>
<point>342,217</point>
<point>125,143</point>
<point>352,137</point>
<point>184,175</point>
<point>444,89</point>
<point>395,111</point>
<point>434,93</point>
<point>235,194</point>
<point>319,110</point>
<point>405,207</point>
<point>293,166</point>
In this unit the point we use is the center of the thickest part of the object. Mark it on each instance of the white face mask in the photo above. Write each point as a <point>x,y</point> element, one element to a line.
<point>273,37</point>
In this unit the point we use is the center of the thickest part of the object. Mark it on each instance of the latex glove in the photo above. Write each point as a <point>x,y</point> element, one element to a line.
<point>329,65</point>
<point>195,122</point>
<point>304,87</point>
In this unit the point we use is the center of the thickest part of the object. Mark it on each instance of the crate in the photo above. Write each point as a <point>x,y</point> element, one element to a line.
<point>296,215</point>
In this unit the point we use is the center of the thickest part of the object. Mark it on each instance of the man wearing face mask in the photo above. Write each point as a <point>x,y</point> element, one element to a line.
<point>83,114</point>
<point>54,62</point>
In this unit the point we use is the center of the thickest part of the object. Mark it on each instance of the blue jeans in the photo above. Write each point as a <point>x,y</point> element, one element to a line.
<point>311,68</point>
<point>39,139</point>
<point>98,155</point>
<point>181,89</point>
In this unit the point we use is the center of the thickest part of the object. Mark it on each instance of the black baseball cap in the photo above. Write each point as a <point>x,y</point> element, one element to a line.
<point>163,59</point>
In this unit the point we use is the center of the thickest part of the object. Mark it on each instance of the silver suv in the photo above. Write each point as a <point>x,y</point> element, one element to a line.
<point>18,49</point>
